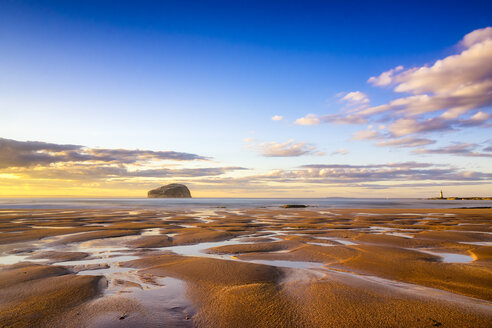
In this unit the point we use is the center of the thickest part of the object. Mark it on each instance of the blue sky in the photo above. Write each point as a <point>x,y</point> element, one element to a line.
<point>207,77</point>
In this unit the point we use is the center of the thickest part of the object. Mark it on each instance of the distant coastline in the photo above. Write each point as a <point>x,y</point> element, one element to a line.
<point>234,203</point>
<point>460,198</point>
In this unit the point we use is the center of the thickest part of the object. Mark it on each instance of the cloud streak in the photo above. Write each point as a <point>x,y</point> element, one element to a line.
<point>286,149</point>
<point>41,160</point>
<point>80,172</point>
<point>15,153</point>
<point>341,151</point>
<point>458,149</point>
<point>371,176</point>
<point>408,142</point>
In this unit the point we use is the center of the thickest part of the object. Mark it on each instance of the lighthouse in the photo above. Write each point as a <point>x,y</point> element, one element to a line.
<point>440,195</point>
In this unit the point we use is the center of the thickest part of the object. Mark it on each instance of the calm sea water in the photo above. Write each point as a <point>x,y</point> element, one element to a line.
<point>234,203</point>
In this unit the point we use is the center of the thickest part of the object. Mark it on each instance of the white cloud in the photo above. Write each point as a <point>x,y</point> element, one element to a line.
<point>385,78</point>
<point>408,126</point>
<point>456,84</point>
<point>341,151</point>
<point>477,119</point>
<point>309,119</point>
<point>405,142</point>
<point>355,98</point>
<point>248,140</point>
<point>286,149</point>
<point>366,135</point>
<point>343,119</point>
<point>476,36</point>
<point>277,118</point>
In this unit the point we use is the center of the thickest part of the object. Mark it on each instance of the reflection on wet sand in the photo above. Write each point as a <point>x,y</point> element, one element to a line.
<point>246,267</point>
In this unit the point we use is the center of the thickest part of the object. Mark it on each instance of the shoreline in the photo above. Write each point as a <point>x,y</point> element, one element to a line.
<point>235,203</point>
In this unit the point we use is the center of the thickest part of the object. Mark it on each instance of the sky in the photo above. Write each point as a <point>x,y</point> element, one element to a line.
<point>246,98</point>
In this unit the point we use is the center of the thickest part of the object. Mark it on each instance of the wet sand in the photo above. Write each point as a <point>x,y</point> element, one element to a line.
<point>246,268</point>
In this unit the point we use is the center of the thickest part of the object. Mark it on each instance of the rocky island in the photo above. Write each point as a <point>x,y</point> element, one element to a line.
<point>173,190</point>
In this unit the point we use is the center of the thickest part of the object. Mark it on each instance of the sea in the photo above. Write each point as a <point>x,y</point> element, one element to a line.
<point>234,203</point>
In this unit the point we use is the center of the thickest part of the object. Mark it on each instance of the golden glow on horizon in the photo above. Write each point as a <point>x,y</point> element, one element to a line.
<point>50,188</point>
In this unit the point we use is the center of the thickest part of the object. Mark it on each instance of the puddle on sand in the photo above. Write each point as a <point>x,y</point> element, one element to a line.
<point>321,244</point>
<point>380,229</point>
<point>399,234</point>
<point>151,232</point>
<point>342,241</point>
<point>206,216</point>
<point>161,300</point>
<point>11,257</point>
<point>102,258</point>
<point>477,243</point>
<point>14,258</point>
<point>165,303</point>
<point>199,249</point>
<point>97,225</point>
<point>104,250</point>
<point>289,264</point>
<point>188,226</point>
<point>450,257</point>
<point>49,227</point>
<point>104,271</point>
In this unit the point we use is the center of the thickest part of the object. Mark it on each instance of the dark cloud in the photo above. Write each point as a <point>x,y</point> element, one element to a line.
<point>134,156</point>
<point>102,172</point>
<point>369,166</point>
<point>408,142</point>
<point>195,172</point>
<point>20,154</point>
<point>409,126</point>
<point>354,175</point>
<point>15,153</point>
<point>458,149</point>
<point>436,185</point>
<point>47,161</point>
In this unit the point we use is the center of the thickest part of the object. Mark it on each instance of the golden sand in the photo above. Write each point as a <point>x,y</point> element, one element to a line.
<point>32,296</point>
<point>246,268</point>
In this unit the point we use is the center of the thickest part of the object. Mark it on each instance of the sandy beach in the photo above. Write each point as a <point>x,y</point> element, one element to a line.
<point>246,268</point>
